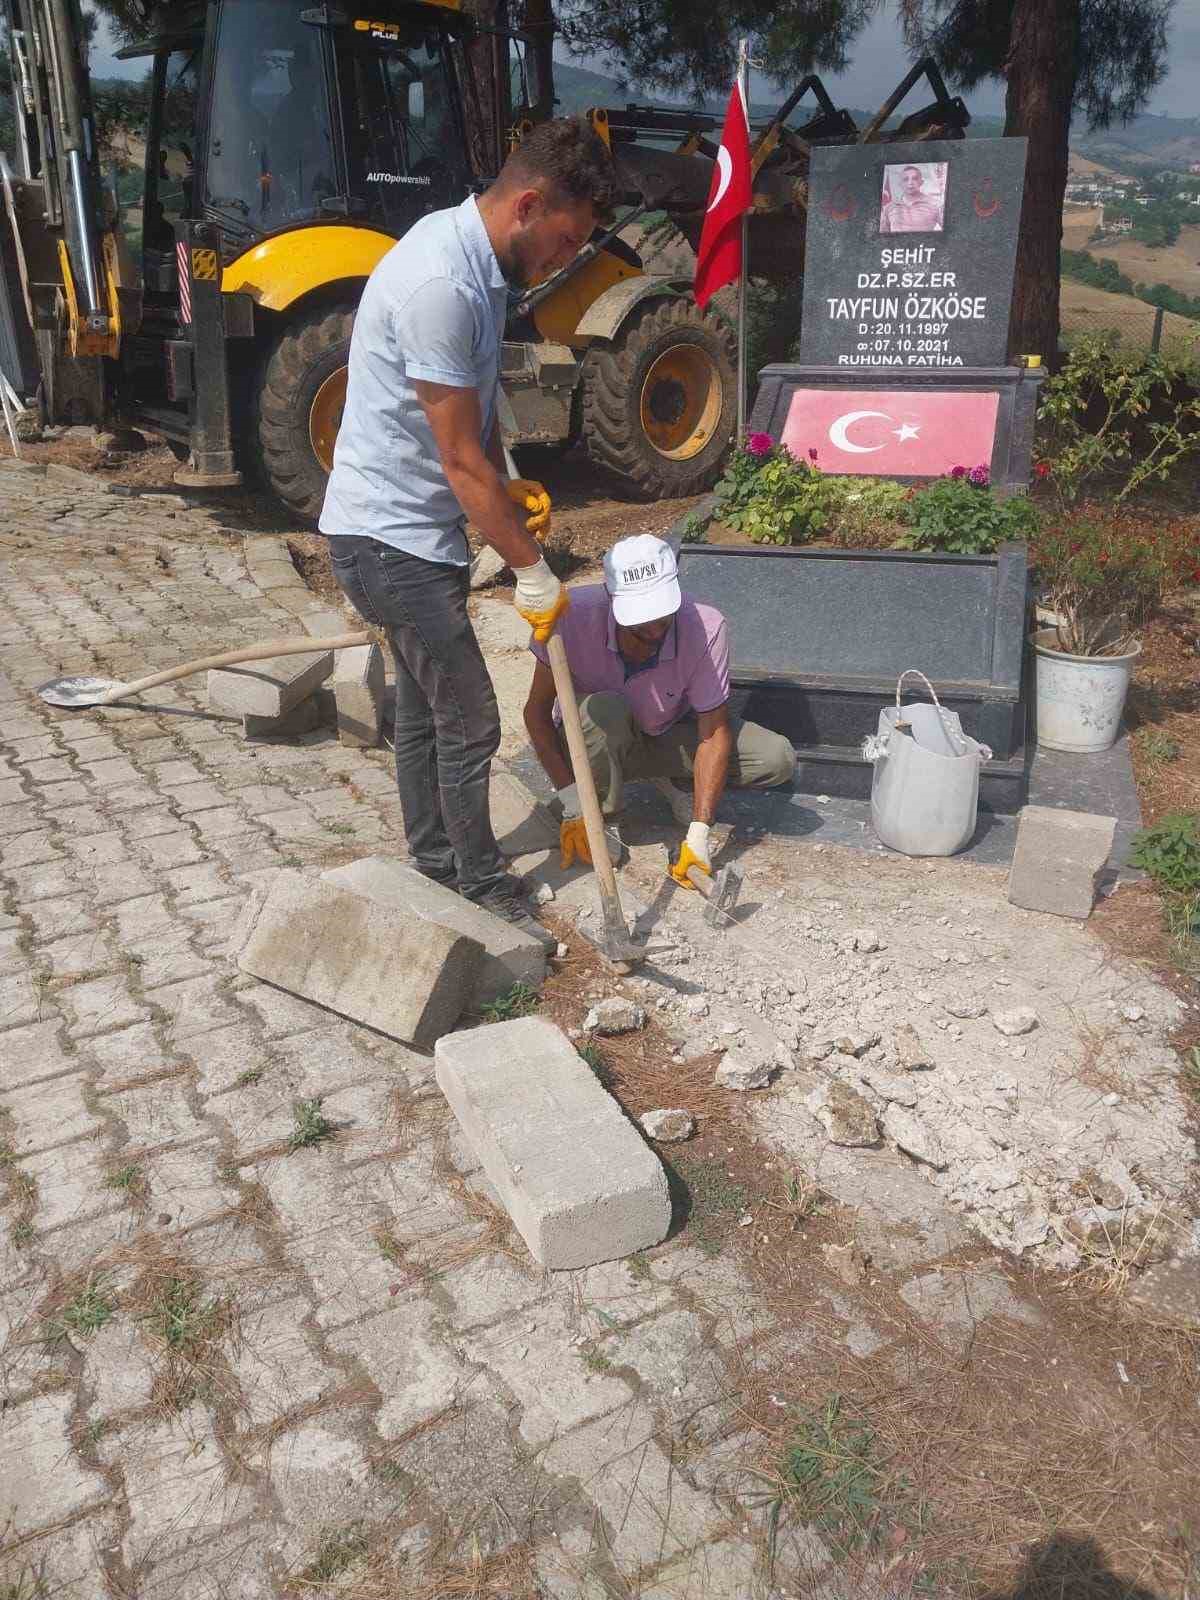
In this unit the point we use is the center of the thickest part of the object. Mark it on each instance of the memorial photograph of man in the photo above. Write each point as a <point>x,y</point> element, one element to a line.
<point>914,198</point>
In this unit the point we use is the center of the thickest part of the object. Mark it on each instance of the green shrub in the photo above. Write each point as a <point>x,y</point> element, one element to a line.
<point>770,495</point>
<point>1170,851</point>
<point>964,518</point>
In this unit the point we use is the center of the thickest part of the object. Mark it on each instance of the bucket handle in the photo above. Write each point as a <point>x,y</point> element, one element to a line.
<point>911,672</point>
<point>985,753</point>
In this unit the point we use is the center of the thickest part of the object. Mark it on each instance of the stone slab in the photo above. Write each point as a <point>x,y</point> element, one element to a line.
<point>579,1182</point>
<point>1058,858</point>
<point>509,956</point>
<point>358,685</point>
<point>375,963</point>
<point>268,688</point>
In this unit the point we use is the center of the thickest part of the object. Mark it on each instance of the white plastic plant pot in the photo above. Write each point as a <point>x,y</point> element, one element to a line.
<point>925,787</point>
<point>1080,699</point>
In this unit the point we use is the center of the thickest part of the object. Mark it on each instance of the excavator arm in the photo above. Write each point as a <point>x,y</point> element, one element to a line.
<point>57,140</point>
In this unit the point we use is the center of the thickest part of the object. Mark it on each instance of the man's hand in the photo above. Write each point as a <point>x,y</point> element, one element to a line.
<point>572,832</point>
<point>540,599</point>
<point>529,495</point>
<point>692,853</point>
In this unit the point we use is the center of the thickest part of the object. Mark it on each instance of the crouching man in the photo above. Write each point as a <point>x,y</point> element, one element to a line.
<point>651,672</point>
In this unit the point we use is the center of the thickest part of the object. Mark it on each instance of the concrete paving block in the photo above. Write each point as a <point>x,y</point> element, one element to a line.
<point>520,821</point>
<point>364,959</point>
<point>358,685</point>
<point>268,688</point>
<point>579,1182</point>
<point>509,956</point>
<point>1058,858</point>
<point>310,714</point>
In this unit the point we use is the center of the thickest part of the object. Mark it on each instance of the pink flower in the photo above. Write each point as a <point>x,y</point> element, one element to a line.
<point>812,455</point>
<point>759,444</point>
<point>980,476</point>
<point>958,472</point>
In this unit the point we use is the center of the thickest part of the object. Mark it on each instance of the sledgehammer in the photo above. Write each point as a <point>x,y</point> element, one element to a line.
<point>721,891</point>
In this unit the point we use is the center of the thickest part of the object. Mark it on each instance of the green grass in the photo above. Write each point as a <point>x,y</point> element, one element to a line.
<point>127,1178</point>
<point>1181,914</point>
<point>1158,746</point>
<point>591,1054</point>
<point>1190,1065</point>
<point>312,1128</point>
<point>340,827</point>
<point>252,1075</point>
<point>338,1550</point>
<point>90,1309</point>
<point>833,1473</point>
<point>22,1233</point>
<point>714,1198</point>
<point>182,1317</point>
<point>520,1001</point>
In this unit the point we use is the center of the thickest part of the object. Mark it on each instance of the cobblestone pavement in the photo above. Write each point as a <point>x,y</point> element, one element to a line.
<point>221,1358</point>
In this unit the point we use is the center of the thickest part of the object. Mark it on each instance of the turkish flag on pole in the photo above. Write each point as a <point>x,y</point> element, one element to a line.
<point>719,258</point>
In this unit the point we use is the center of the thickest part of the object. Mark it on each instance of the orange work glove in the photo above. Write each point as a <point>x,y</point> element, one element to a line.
<point>573,843</point>
<point>527,494</point>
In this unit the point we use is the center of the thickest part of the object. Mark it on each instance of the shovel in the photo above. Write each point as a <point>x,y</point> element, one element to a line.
<point>76,693</point>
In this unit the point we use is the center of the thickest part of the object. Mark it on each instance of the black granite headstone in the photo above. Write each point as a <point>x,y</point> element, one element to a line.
<point>909,254</point>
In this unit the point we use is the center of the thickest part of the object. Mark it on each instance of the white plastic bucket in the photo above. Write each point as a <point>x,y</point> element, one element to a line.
<point>925,789</point>
<point>1079,698</point>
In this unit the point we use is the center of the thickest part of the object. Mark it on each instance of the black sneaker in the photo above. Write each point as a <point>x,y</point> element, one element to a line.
<point>509,907</point>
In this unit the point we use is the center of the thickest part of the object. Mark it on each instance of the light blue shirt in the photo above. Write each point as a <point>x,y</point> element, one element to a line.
<point>433,311</point>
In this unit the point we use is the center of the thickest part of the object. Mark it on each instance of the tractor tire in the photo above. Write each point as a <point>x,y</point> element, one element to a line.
<point>299,404</point>
<point>660,400</point>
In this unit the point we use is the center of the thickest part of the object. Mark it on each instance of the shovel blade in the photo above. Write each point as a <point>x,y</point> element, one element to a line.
<point>76,693</point>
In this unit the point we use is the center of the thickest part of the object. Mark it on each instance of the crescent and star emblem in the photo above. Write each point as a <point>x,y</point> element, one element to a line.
<point>724,175</point>
<point>839,432</point>
<point>841,205</point>
<point>987,201</point>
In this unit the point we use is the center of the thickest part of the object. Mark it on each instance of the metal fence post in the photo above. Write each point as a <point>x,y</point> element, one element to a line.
<point>1156,335</point>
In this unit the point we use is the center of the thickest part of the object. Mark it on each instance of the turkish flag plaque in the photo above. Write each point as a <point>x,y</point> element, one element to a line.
<point>912,433</point>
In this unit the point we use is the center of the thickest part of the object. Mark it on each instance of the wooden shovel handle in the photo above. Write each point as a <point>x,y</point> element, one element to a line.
<point>232,658</point>
<point>581,769</point>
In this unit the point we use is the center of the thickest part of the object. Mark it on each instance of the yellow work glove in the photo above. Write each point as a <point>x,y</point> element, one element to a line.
<point>692,853</point>
<point>527,494</point>
<point>572,833</point>
<point>539,598</point>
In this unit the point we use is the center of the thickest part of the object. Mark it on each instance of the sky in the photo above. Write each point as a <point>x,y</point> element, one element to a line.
<point>880,62</point>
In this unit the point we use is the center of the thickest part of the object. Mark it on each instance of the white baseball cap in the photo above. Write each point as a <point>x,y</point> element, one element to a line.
<point>641,576</point>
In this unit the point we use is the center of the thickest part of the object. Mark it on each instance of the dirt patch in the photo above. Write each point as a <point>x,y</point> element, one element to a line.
<point>1164,711</point>
<point>1058,1434</point>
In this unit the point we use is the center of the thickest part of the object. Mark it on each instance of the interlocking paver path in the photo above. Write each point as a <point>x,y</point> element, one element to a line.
<point>222,1359</point>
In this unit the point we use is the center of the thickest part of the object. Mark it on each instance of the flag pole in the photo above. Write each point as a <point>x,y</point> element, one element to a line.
<point>744,84</point>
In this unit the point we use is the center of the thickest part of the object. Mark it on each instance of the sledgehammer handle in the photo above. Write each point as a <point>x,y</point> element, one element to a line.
<point>581,769</point>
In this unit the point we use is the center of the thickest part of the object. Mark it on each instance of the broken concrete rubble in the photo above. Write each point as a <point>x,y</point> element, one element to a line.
<point>1020,1019</point>
<point>614,1016</point>
<point>1169,1293</point>
<point>910,1053</point>
<point>743,1070</point>
<point>847,1118</point>
<point>668,1126</point>
<point>911,1135</point>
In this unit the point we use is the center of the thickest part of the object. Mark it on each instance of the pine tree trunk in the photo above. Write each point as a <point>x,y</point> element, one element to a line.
<point>1041,71</point>
<point>539,21</point>
<point>488,57</point>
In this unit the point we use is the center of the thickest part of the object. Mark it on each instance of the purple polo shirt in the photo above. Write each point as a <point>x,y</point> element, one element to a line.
<point>691,675</point>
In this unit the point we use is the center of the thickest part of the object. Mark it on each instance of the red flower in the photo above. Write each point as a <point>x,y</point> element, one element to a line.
<point>1042,470</point>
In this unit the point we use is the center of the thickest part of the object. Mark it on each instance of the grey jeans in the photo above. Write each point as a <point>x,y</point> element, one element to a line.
<point>447,723</point>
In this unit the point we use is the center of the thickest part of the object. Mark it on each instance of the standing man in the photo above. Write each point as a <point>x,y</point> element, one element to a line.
<point>418,453</point>
<point>651,668</point>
